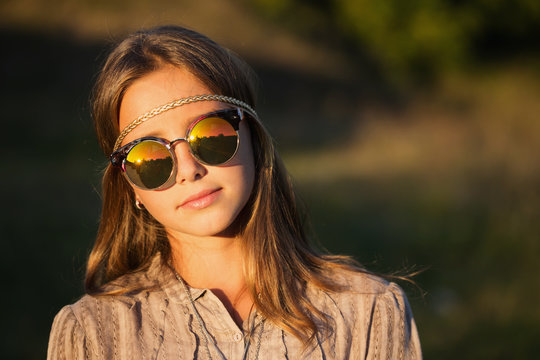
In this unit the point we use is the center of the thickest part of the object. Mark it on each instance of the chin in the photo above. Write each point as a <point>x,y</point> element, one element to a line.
<point>205,228</point>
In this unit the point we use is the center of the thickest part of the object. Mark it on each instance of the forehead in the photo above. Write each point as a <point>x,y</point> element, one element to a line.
<point>157,88</point>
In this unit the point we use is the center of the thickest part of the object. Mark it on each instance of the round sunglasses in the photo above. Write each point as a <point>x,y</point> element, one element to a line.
<point>149,163</point>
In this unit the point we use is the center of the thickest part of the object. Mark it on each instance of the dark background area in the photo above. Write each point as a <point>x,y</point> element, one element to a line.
<point>414,146</point>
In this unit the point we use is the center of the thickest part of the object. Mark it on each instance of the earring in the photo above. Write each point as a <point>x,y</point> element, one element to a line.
<point>138,204</point>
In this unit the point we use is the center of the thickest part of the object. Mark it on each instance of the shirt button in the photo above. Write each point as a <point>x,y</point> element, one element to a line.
<point>237,337</point>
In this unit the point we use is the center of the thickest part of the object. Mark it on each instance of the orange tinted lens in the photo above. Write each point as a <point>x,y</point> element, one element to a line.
<point>149,164</point>
<point>213,140</point>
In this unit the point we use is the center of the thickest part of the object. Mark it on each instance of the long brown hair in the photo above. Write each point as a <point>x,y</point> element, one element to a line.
<point>279,261</point>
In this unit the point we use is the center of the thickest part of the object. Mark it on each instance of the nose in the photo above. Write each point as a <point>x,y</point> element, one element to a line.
<point>188,169</point>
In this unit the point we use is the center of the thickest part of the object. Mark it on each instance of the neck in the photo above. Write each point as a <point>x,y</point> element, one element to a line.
<point>214,263</point>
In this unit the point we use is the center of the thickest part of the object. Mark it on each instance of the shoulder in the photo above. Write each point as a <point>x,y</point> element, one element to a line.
<point>120,295</point>
<point>357,294</point>
<point>75,331</point>
<point>90,326</point>
<point>361,282</point>
<point>363,287</point>
<point>95,325</point>
<point>375,312</point>
<point>67,339</point>
<point>371,292</point>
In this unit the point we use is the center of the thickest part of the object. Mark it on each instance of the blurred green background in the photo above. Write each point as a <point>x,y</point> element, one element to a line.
<point>411,129</point>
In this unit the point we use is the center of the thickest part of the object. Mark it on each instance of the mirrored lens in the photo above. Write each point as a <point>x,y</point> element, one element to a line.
<point>149,164</point>
<point>213,140</point>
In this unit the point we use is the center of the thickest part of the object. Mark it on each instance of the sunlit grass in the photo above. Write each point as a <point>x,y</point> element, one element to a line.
<point>473,125</point>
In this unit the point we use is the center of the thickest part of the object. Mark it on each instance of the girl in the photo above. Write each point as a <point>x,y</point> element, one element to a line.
<point>201,251</point>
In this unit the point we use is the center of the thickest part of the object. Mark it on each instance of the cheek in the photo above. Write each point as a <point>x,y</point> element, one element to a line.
<point>248,182</point>
<point>246,159</point>
<point>153,201</point>
<point>161,208</point>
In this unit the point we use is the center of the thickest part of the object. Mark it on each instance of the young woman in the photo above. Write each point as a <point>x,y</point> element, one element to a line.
<point>201,251</point>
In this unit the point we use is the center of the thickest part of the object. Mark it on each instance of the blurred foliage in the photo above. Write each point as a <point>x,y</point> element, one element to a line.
<point>415,39</point>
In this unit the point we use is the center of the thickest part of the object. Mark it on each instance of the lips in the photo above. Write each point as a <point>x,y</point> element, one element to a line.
<point>201,199</point>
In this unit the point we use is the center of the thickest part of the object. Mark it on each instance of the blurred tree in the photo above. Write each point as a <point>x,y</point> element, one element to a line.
<point>415,39</point>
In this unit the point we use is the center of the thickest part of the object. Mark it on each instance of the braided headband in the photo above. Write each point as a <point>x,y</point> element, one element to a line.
<point>160,109</point>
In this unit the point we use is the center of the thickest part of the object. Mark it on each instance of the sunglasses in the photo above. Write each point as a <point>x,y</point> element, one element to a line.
<point>149,163</point>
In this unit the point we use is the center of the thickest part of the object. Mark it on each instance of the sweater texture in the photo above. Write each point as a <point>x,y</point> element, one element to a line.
<point>370,319</point>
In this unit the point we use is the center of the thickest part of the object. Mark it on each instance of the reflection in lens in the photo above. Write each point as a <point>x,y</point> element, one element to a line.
<point>213,140</point>
<point>149,164</point>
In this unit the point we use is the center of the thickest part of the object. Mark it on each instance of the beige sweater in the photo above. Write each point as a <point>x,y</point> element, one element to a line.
<point>370,320</point>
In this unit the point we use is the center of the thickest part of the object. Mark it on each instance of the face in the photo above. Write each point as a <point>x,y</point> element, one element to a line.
<point>204,200</point>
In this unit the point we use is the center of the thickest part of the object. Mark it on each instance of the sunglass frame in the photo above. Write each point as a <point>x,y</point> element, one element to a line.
<point>233,116</point>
